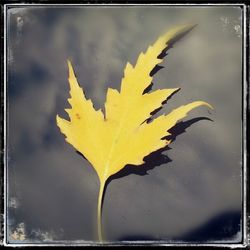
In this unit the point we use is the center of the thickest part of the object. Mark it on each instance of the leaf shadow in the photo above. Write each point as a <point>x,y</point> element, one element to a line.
<point>157,158</point>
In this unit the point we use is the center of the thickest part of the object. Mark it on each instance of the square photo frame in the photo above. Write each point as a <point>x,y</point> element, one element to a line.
<point>125,124</point>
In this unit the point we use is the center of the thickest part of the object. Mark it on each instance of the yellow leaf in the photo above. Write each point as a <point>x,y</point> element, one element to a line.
<point>122,136</point>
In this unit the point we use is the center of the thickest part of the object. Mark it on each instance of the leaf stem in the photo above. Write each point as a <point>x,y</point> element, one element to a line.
<point>99,210</point>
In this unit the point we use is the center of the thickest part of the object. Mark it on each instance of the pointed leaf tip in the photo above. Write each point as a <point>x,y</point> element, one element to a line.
<point>207,104</point>
<point>191,26</point>
<point>71,70</point>
<point>188,27</point>
<point>57,119</point>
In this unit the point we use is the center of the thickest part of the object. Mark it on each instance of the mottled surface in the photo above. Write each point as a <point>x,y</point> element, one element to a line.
<point>53,190</point>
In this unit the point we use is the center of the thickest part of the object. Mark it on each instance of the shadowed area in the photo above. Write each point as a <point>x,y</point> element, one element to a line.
<point>222,227</point>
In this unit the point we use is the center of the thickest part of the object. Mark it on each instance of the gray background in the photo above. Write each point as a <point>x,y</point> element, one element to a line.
<point>53,190</point>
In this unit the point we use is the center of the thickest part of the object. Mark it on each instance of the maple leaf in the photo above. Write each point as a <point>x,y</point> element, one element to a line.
<point>123,134</point>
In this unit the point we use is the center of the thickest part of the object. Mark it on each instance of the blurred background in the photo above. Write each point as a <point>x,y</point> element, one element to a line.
<point>194,194</point>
